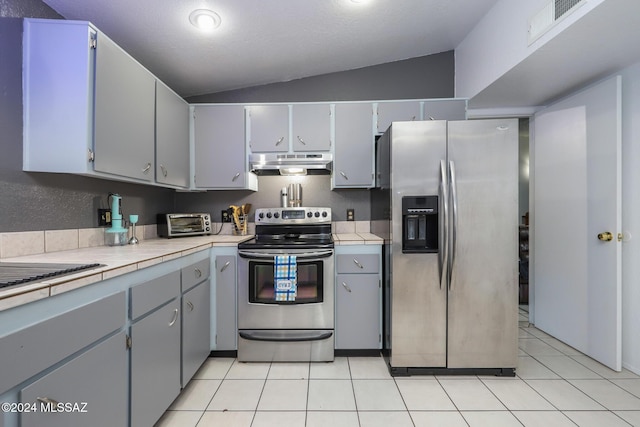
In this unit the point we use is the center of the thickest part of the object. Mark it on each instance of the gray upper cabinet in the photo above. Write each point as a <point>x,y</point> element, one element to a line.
<point>172,138</point>
<point>268,128</point>
<point>353,161</point>
<point>124,113</point>
<point>220,157</point>
<point>311,124</point>
<point>445,109</point>
<point>399,111</point>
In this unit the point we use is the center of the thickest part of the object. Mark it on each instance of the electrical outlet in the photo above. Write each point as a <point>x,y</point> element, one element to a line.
<point>225,216</point>
<point>104,218</point>
<point>351,214</point>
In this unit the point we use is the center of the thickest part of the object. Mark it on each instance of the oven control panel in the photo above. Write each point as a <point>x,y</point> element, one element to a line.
<point>293,216</point>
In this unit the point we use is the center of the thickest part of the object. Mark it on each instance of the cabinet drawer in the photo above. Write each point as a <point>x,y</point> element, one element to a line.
<point>149,295</point>
<point>357,263</point>
<point>33,349</point>
<point>195,273</point>
<point>98,377</point>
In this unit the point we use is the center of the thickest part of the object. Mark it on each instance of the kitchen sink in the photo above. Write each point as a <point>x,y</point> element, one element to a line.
<point>19,273</point>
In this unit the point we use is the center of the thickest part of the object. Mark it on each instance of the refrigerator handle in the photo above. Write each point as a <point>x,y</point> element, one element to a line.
<point>454,222</point>
<point>443,253</point>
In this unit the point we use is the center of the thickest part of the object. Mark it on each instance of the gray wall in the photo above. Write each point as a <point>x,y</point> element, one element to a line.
<point>41,201</point>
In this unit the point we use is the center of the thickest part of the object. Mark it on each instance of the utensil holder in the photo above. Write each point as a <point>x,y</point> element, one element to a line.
<point>240,225</point>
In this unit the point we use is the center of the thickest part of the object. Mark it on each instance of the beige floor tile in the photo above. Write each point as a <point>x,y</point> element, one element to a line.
<point>490,419</point>
<point>596,419</point>
<point>602,370</point>
<point>226,419</point>
<point>179,418</point>
<point>214,368</point>
<point>564,396</point>
<point>567,368</point>
<point>331,395</point>
<point>560,346</point>
<point>608,394</point>
<point>337,370</point>
<point>385,419</point>
<point>530,368</point>
<point>196,395</point>
<point>438,419</point>
<point>632,417</point>
<point>543,419</point>
<point>279,419</point>
<point>248,371</point>
<point>377,395</point>
<point>288,371</point>
<point>284,395</point>
<point>332,419</point>
<point>537,332</point>
<point>368,368</point>
<point>237,395</point>
<point>537,348</point>
<point>471,395</point>
<point>518,395</point>
<point>631,385</point>
<point>424,395</point>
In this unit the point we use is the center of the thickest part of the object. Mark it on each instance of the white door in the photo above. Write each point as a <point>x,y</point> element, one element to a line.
<point>577,200</point>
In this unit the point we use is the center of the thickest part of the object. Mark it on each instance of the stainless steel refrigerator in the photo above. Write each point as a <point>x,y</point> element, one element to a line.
<point>446,202</point>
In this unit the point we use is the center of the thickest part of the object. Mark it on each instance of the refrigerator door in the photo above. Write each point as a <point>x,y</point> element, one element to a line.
<point>483,291</point>
<point>418,304</point>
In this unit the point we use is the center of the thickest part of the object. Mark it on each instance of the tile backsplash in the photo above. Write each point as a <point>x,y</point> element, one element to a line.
<point>22,243</point>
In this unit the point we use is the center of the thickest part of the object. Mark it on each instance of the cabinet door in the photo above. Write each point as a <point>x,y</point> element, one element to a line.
<point>311,127</point>
<point>172,138</point>
<point>196,329</point>
<point>124,114</point>
<point>353,162</point>
<point>226,326</point>
<point>448,109</point>
<point>98,377</point>
<point>155,364</point>
<point>220,160</point>
<point>388,112</point>
<point>269,128</point>
<point>357,311</point>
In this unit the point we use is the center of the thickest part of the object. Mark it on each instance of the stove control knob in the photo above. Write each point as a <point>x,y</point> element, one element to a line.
<point>268,214</point>
<point>324,214</point>
<point>309,214</point>
<point>317,214</point>
<point>261,215</point>
<point>276,215</point>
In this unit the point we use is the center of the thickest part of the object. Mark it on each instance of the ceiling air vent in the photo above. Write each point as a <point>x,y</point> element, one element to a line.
<point>551,14</point>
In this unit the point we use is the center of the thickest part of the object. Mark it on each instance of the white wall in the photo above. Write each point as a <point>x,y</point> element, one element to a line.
<point>631,217</point>
<point>500,41</point>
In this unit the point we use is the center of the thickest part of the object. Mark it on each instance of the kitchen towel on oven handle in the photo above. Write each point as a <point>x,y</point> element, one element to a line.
<point>285,280</point>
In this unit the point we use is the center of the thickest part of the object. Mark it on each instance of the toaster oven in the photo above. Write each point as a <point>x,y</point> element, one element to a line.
<point>184,224</point>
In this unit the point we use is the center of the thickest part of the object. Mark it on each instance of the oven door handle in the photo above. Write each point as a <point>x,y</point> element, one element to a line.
<point>279,337</point>
<point>304,255</point>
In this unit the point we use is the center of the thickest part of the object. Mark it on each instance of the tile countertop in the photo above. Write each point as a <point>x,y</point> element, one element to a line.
<point>119,260</point>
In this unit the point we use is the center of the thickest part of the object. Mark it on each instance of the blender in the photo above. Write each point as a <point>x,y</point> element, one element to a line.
<point>116,235</point>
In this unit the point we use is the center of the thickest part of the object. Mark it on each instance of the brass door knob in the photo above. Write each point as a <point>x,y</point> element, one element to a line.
<point>605,237</point>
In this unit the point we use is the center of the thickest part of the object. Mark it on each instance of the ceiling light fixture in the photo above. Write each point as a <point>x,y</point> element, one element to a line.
<point>205,19</point>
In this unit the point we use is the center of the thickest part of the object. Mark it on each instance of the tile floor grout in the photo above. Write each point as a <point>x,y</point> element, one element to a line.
<point>566,403</point>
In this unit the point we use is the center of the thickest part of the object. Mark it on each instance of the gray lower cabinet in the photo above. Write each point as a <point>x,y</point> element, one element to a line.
<point>353,161</point>
<point>155,348</point>
<point>226,326</point>
<point>92,389</point>
<point>358,311</point>
<point>196,329</point>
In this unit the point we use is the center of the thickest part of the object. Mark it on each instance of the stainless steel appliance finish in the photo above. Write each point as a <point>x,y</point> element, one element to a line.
<point>17,273</point>
<point>183,224</point>
<point>453,309</point>
<point>291,164</point>
<point>298,330</point>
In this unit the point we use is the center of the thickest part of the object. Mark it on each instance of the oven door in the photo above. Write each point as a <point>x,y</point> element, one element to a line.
<point>313,304</point>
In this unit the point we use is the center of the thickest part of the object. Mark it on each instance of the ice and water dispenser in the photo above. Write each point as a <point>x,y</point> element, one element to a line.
<point>420,224</point>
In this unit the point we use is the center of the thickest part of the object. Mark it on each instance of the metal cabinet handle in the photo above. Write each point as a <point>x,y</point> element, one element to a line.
<point>224,267</point>
<point>607,236</point>
<point>190,305</point>
<point>48,401</point>
<point>175,318</point>
<point>344,285</point>
<point>344,175</point>
<point>236,176</point>
<point>280,140</point>
<point>146,169</point>
<point>301,141</point>
<point>164,170</point>
<point>358,263</point>
<point>413,119</point>
<point>197,272</point>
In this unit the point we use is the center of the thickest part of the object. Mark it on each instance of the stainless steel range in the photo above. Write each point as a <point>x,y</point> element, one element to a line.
<point>286,287</point>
